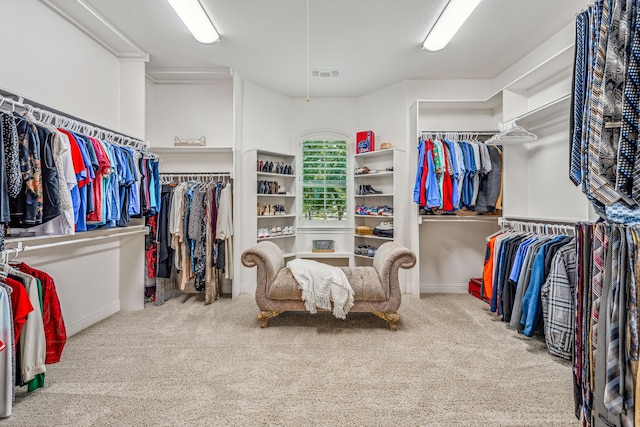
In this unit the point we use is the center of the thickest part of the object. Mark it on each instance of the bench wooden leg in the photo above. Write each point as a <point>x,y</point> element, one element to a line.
<point>264,317</point>
<point>392,318</point>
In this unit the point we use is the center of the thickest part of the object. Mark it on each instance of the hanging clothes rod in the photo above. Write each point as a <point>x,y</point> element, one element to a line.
<point>458,134</point>
<point>195,176</point>
<point>57,118</point>
<point>567,228</point>
<point>471,132</point>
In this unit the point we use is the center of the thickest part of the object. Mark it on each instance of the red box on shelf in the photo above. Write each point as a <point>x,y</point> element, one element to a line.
<point>365,142</point>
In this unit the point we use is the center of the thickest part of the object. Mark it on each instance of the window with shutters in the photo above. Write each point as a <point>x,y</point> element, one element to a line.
<point>324,181</point>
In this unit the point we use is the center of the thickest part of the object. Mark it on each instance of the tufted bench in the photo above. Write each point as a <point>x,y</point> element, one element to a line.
<point>376,289</point>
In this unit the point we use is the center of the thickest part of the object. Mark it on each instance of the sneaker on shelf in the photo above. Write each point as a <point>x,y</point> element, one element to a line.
<point>371,252</point>
<point>385,211</point>
<point>362,171</point>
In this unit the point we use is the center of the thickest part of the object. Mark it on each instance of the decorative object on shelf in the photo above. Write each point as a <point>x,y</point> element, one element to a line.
<point>323,246</point>
<point>365,142</point>
<point>386,145</point>
<point>362,171</point>
<point>363,230</point>
<point>200,142</point>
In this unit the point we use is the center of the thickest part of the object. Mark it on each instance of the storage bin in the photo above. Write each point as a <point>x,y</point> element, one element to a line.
<point>322,246</point>
<point>475,288</point>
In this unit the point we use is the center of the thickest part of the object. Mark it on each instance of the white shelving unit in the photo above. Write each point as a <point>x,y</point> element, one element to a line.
<point>382,164</point>
<point>282,183</point>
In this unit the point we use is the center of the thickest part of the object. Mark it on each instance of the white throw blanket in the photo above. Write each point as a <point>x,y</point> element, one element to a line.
<point>321,284</point>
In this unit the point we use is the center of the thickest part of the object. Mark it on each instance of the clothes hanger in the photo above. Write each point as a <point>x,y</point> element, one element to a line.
<point>511,132</point>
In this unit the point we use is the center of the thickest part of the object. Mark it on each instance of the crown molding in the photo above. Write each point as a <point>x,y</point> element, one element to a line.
<point>116,42</point>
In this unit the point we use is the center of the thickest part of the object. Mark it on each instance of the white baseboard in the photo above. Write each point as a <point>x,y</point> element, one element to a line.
<point>100,314</point>
<point>444,288</point>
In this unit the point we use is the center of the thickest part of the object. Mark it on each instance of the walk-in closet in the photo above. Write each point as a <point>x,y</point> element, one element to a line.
<point>145,166</point>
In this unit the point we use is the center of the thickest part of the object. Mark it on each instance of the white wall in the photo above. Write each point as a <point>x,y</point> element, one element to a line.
<point>266,120</point>
<point>325,114</point>
<point>47,60</point>
<point>132,98</point>
<point>190,111</point>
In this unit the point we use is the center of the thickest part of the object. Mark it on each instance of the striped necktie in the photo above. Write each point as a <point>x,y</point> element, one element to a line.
<point>599,187</point>
<point>597,279</point>
<point>579,83</point>
<point>613,399</point>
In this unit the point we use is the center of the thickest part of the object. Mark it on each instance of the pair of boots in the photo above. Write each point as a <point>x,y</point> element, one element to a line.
<point>268,187</point>
<point>270,167</point>
<point>367,189</point>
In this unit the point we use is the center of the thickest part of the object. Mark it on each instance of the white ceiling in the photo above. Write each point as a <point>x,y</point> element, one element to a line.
<point>373,43</point>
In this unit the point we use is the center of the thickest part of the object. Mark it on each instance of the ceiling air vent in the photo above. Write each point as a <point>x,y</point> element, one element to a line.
<point>325,73</point>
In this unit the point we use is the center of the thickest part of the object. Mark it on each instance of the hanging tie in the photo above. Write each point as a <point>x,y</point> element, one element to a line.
<point>613,400</point>
<point>626,182</point>
<point>579,84</point>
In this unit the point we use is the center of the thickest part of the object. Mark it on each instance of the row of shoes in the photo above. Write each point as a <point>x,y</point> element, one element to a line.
<point>365,250</point>
<point>278,167</point>
<point>275,231</point>
<point>268,187</point>
<point>365,170</point>
<point>367,189</point>
<point>267,210</point>
<point>374,210</point>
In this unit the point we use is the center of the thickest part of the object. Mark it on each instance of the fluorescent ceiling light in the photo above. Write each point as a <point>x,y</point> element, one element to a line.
<point>454,15</point>
<point>196,20</point>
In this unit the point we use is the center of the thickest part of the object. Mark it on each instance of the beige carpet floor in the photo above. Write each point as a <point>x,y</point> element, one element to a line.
<point>449,364</point>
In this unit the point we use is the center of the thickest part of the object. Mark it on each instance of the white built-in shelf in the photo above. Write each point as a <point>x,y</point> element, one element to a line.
<point>363,256</point>
<point>275,195</point>
<point>276,216</point>
<point>373,236</point>
<point>553,68</point>
<point>373,174</point>
<point>275,175</point>
<point>284,236</point>
<point>273,153</point>
<point>376,153</point>
<point>191,150</point>
<point>456,218</point>
<point>435,106</point>
<point>374,216</point>
<point>557,109</point>
<point>289,255</point>
<point>374,195</point>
